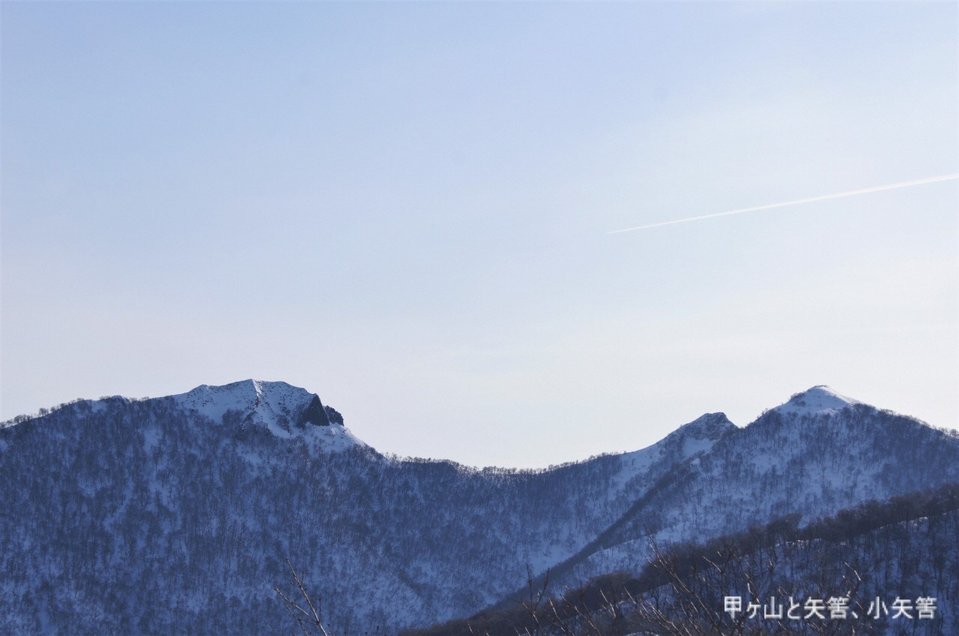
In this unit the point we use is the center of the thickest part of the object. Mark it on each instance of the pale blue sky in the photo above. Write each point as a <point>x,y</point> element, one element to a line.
<point>404,208</point>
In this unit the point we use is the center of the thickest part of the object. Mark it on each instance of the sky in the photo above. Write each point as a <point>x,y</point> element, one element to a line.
<point>406,207</point>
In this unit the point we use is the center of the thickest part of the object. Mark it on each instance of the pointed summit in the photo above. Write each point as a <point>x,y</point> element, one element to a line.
<point>707,426</point>
<point>701,433</point>
<point>819,400</point>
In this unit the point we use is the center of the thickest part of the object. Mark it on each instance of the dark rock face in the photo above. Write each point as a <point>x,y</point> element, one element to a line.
<point>315,413</point>
<point>334,416</point>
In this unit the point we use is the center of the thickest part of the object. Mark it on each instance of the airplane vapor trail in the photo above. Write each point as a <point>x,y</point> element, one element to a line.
<point>770,206</point>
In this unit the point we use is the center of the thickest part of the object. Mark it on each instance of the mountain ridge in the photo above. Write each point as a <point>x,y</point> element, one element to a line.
<point>263,401</point>
<point>121,499</point>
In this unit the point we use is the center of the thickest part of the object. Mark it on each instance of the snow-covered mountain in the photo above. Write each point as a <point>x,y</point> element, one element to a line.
<point>815,455</point>
<point>894,563</point>
<point>177,514</point>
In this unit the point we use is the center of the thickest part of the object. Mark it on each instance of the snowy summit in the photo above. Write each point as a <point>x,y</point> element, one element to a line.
<point>285,410</point>
<point>819,400</point>
<point>265,400</point>
<point>242,477</point>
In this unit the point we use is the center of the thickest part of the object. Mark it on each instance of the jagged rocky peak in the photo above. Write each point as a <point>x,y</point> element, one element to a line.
<point>333,415</point>
<point>697,436</point>
<point>707,426</point>
<point>268,402</point>
<point>287,411</point>
<point>819,400</point>
<point>314,413</point>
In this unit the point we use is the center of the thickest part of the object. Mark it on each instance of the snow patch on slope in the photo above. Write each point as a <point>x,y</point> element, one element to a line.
<point>332,438</point>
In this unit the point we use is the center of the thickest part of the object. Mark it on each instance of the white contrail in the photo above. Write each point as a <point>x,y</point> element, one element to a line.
<point>770,206</point>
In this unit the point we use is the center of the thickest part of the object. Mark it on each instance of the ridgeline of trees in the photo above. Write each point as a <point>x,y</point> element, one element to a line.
<point>904,546</point>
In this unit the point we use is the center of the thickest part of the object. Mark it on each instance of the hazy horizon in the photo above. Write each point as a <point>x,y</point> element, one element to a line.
<point>406,208</point>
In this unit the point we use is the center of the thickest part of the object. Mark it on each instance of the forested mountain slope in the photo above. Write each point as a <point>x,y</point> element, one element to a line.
<point>195,502</point>
<point>812,456</point>
<point>177,514</point>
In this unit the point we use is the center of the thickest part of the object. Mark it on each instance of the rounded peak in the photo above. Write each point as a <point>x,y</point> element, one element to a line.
<point>245,393</point>
<point>818,400</point>
<point>261,388</point>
